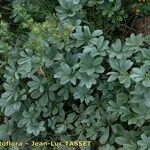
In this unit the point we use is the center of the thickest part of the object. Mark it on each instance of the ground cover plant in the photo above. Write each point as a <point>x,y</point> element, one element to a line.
<point>75,70</point>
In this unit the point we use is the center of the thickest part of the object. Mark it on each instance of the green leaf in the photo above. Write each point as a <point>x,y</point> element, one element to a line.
<point>130,146</point>
<point>88,80</point>
<point>99,49</point>
<point>9,110</point>
<point>17,105</point>
<point>36,128</point>
<point>76,1</point>
<point>138,73</point>
<point>24,63</point>
<point>44,100</point>
<point>121,140</point>
<point>97,33</point>
<point>145,142</point>
<point>70,118</point>
<point>105,135</point>
<point>135,41</point>
<point>37,84</point>
<point>119,50</point>
<point>66,74</point>
<point>141,74</point>
<point>113,76</point>
<point>3,132</point>
<point>83,94</point>
<point>90,65</point>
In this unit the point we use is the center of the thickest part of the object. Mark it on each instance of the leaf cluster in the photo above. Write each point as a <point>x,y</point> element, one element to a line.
<point>64,80</point>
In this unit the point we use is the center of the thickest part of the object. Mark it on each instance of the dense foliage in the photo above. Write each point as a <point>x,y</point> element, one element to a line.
<point>69,73</point>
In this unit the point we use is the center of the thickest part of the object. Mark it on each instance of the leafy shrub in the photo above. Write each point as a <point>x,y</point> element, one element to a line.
<point>64,80</point>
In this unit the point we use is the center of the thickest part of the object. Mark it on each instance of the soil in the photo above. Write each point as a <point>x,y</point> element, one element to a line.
<point>142,25</point>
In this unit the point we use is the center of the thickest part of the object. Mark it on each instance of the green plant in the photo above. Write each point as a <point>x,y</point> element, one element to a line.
<point>64,80</point>
<point>144,7</point>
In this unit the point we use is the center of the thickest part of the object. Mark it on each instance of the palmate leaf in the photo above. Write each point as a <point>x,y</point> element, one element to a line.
<point>126,139</point>
<point>66,74</point>
<point>117,46</point>
<point>138,73</point>
<point>99,49</point>
<point>96,129</point>
<point>25,62</point>
<point>135,41</point>
<point>65,122</point>
<point>68,8</point>
<point>4,132</point>
<point>90,65</point>
<point>139,115</point>
<point>28,117</point>
<point>44,99</point>
<point>6,97</point>
<point>87,80</point>
<point>52,54</point>
<point>12,74</point>
<point>105,135</point>
<point>11,108</point>
<point>37,84</point>
<point>71,117</point>
<point>144,143</point>
<point>61,129</point>
<point>83,94</point>
<point>83,35</point>
<point>25,65</point>
<point>125,79</point>
<point>119,50</point>
<point>146,55</point>
<point>91,133</point>
<point>10,100</point>
<point>57,104</point>
<point>114,108</point>
<point>113,76</point>
<point>122,67</point>
<point>13,93</point>
<point>64,92</point>
<point>141,74</point>
<point>36,128</point>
